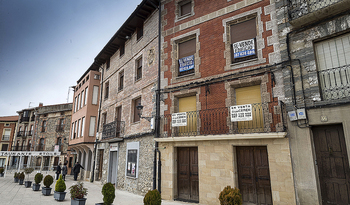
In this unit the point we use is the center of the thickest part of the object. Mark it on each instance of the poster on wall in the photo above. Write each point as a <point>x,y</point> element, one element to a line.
<point>179,119</point>
<point>243,48</point>
<point>186,63</point>
<point>241,113</point>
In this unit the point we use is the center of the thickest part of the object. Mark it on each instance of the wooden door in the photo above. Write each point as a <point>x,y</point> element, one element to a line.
<point>187,174</point>
<point>100,164</point>
<point>332,163</point>
<point>254,175</point>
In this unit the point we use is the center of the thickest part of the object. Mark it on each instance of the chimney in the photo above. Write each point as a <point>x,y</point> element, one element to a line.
<point>41,104</point>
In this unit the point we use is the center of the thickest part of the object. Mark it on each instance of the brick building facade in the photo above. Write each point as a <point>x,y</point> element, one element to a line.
<point>8,126</point>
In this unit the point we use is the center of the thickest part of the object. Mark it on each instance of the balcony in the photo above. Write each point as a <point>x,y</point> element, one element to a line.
<point>113,130</point>
<point>40,147</point>
<point>335,83</point>
<point>21,148</point>
<point>266,118</point>
<point>5,138</point>
<point>59,128</point>
<point>303,12</point>
<point>24,119</point>
<point>21,134</point>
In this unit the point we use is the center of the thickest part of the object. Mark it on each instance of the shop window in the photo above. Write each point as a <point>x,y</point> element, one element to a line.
<point>132,159</point>
<point>243,41</point>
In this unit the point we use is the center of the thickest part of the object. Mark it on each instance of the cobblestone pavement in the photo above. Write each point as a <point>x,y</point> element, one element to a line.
<point>14,194</point>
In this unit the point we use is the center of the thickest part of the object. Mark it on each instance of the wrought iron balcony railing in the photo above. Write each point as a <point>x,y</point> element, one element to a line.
<point>24,119</point>
<point>5,137</point>
<point>40,147</point>
<point>113,129</point>
<point>299,8</point>
<point>335,83</point>
<point>266,117</point>
<point>21,148</point>
<point>59,128</point>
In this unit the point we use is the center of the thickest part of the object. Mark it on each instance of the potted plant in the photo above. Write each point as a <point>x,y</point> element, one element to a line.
<point>230,196</point>
<point>48,180</point>
<point>77,193</point>
<point>28,171</point>
<point>37,179</point>
<point>21,178</point>
<point>108,192</point>
<point>152,198</point>
<point>60,187</point>
<point>1,172</point>
<point>15,177</point>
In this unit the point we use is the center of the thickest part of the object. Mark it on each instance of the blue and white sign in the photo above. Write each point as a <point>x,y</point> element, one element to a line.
<point>243,48</point>
<point>186,63</point>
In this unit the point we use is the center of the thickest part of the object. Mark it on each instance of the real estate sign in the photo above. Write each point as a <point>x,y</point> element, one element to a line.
<point>241,113</point>
<point>243,48</point>
<point>186,63</point>
<point>179,119</point>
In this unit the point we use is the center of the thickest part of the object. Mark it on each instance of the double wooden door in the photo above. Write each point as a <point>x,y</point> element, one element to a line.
<point>254,175</point>
<point>332,163</point>
<point>187,174</point>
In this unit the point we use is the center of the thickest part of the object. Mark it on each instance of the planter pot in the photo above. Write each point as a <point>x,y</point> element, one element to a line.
<point>78,201</point>
<point>46,191</point>
<point>99,203</point>
<point>59,196</point>
<point>2,175</point>
<point>15,180</point>
<point>20,182</point>
<point>28,184</point>
<point>36,187</point>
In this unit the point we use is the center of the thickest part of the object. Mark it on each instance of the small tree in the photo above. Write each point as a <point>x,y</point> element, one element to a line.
<point>48,180</point>
<point>21,176</point>
<point>15,175</point>
<point>60,185</point>
<point>1,170</point>
<point>152,198</point>
<point>38,177</point>
<point>108,192</point>
<point>28,171</point>
<point>78,191</point>
<point>230,196</point>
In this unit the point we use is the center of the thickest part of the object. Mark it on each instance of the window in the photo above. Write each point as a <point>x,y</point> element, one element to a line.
<point>333,63</point>
<point>121,80</point>
<point>185,8</point>
<point>187,50</point>
<point>78,128</point>
<point>75,129</point>
<point>96,77</point>
<point>136,111</point>
<point>75,104</point>
<point>118,113</point>
<point>43,127</point>
<point>25,131</point>
<point>132,159</point>
<point>108,63</point>
<point>72,131</point>
<point>78,102</point>
<point>7,124</point>
<point>104,118</point>
<point>92,126</point>
<point>86,95</point>
<point>29,145</point>
<point>6,134</point>
<point>4,147</point>
<point>41,144</point>
<point>138,69</point>
<point>243,41</point>
<point>250,95</point>
<point>82,126</point>
<point>95,95</point>
<point>82,103</point>
<point>106,90</point>
<point>122,50</point>
<point>139,32</point>
<point>189,105</point>
<point>87,78</point>
<point>31,130</point>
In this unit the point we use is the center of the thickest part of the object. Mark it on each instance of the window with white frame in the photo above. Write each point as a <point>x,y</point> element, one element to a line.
<point>95,95</point>
<point>92,126</point>
<point>86,95</point>
<point>333,63</point>
<point>82,103</point>
<point>132,158</point>
<point>82,126</point>
<point>78,130</point>
<point>6,134</point>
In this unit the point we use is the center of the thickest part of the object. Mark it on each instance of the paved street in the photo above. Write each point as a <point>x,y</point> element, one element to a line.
<point>14,194</point>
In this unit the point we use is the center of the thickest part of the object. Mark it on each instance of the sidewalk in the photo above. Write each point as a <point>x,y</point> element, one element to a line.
<point>14,194</point>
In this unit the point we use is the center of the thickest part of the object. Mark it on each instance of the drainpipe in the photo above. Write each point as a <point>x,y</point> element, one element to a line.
<point>98,127</point>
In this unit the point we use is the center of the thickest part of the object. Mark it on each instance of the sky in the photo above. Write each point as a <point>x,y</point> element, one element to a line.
<point>47,45</point>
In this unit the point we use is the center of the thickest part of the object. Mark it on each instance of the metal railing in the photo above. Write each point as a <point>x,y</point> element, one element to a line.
<point>266,117</point>
<point>299,8</point>
<point>24,119</point>
<point>21,148</point>
<point>5,137</point>
<point>335,83</point>
<point>113,129</point>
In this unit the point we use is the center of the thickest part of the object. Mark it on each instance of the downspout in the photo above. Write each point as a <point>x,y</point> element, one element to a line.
<point>97,129</point>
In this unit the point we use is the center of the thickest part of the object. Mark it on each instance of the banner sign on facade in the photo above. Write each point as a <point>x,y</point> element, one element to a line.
<point>243,48</point>
<point>241,113</point>
<point>179,119</point>
<point>29,153</point>
<point>186,63</point>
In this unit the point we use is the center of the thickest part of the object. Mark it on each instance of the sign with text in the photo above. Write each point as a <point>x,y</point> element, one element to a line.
<point>243,48</point>
<point>179,119</point>
<point>241,113</point>
<point>29,153</point>
<point>186,63</point>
